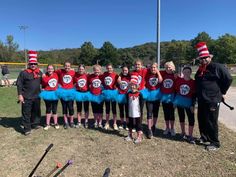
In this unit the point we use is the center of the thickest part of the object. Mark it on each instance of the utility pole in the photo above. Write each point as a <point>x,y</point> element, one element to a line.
<point>158,32</point>
<point>23,28</point>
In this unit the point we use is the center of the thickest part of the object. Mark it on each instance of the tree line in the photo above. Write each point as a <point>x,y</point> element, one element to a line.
<point>180,51</point>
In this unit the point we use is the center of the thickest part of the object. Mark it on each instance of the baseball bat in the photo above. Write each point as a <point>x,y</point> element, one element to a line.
<point>63,168</point>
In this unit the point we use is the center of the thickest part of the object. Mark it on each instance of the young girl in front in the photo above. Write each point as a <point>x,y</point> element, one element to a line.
<point>168,91</point>
<point>48,94</point>
<point>96,98</point>
<point>185,100</point>
<point>134,98</point>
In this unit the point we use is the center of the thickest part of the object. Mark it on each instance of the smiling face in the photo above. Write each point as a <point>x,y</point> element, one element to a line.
<point>205,60</point>
<point>109,68</point>
<point>154,68</point>
<point>81,70</point>
<point>187,72</point>
<point>125,71</point>
<point>67,66</point>
<point>50,69</point>
<point>96,70</point>
<point>138,65</point>
<point>33,66</point>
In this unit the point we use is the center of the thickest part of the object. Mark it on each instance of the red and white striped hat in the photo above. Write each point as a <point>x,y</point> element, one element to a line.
<point>203,50</point>
<point>134,79</point>
<point>32,56</point>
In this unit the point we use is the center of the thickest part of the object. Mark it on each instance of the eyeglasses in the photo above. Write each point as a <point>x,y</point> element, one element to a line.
<point>33,64</point>
<point>202,58</point>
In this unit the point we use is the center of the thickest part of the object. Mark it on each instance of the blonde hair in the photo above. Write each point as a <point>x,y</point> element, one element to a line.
<point>154,64</point>
<point>97,66</point>
<point>170,64</point>
<point>138,60</point>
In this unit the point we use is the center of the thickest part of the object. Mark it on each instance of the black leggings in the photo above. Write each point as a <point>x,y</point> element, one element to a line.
<point>67,105</point>
<point>137,124</point>
<point>51,106</point>
<point>152,108</point>
<point>123,110</point>
<point>113,106</point>
<point>169,111</point>
<point>97,107</point>
<point>79,106</point>
<point>190,115</point>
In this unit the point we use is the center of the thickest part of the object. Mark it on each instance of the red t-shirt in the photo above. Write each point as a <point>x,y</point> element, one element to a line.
<point>184,87</point>
<point>95,84</point>
<point>66,78</point>
<point>168,83</point>
<point>50,83</point>
<point>123,86</point>
<point>109,80</point>
<point>141,77</point>
<point>81,82</point>
<point>152,81</point>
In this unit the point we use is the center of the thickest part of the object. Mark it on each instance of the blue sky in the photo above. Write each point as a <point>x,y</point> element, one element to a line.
<point>57,24</point>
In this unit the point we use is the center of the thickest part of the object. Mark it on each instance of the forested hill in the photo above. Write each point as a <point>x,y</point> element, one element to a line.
<point>181,51</point>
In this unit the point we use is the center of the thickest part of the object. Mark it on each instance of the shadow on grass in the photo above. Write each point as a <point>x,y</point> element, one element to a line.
<point>11,122</point>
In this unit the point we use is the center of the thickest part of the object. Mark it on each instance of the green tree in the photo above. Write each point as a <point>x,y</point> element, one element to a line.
<point>88,54</point>
<point>108,54</point>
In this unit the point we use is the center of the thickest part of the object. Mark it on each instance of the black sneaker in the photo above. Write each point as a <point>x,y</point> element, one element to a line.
<point>211,147</point>
<point>27,133</point>
<point>191,140</point>
<point>150,134</point>
<point>183,137</point>
<point>36,127</point>
<point>153,129</point>
<point>66,126</point>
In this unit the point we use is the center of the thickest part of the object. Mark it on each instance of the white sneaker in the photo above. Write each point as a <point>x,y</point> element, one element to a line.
<point>172,132</point>
<point>106,127</point>
<point>121,127</point>
<point>57,126</point>
<point>128,138</point>
<point>133,130</point>
<point>166,131</point>
<point>115,127</point>
<point>47,127</point>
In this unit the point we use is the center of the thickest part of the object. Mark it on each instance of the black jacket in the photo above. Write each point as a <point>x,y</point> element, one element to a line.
<point>215,81</point>
<point>28,86</point>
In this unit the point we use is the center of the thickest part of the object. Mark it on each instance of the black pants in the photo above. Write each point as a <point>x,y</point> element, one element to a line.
<point>113,107</point>
<point>97,107</point>
<point>31,113</point>
<point>67,105</point>
<point>123,110</point>
<point>208,121</point>
<point>152,108</point>
<point>181,113</point>
<point>79,106</point>
<point>137,124</point>
<point>169,111</point>
<point>51,106</point>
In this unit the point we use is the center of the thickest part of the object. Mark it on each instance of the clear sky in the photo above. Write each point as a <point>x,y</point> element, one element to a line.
<point>57,24</point>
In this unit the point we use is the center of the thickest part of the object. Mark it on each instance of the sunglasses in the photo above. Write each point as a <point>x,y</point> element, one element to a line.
<point>33,64</point>
<point>202,58</point>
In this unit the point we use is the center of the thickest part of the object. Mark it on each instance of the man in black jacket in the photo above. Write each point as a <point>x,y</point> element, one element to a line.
<point>28,88</point>
<point>212,82</point>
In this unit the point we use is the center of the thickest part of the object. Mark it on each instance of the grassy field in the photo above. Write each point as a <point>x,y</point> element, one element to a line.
<point>93,150</point>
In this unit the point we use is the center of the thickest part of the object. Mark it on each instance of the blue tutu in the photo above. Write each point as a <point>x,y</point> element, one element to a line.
<point>154,95</point>
<point>81,96</point>
<point>48,95</point>
<point>66,94</point>
<point>95,98</point>
<point>121,98</point>
<point>145,93</point>
<point>182,101</point>
<point>110,95</point>
<point>167,98</point>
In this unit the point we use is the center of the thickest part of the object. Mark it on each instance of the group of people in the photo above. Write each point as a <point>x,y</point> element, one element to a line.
<point>130,90</point>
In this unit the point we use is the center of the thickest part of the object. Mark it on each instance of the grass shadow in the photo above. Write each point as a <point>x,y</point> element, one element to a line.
<point>11,122</point>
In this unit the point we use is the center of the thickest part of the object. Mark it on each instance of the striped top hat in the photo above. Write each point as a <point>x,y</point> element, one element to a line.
<point>202,50</point>
<point>134,79</point>
<point>32,55</point>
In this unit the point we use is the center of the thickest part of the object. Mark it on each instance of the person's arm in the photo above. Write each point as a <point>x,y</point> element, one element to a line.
<point>160,79</point>
<point>225,79</point>
<point>19,83</point>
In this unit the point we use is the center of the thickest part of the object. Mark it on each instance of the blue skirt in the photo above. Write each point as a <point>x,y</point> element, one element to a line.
<point>154,95</point>
<point>167,98</point>
<point>49,95</point>
<point>121,98</point>
<point>182,101</point>
<point>81,96</point>
<point>66,94</point>
<point>145,93</point>
<point>95,98</point>
<point>110,95</point>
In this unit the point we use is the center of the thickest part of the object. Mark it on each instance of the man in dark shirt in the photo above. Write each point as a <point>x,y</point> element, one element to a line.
<point>212,82</point>
<point>28,88</point>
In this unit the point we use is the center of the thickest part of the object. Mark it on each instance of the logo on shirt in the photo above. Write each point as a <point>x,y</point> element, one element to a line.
<point>153,81</point>
<point>52,83</point>
<point>67,79</point>
<point>81,83</point>
<point>123,85</point>
<point>108,80</point>
<point>96,83</point>
<point>168,83</point>
<point>184,89</point>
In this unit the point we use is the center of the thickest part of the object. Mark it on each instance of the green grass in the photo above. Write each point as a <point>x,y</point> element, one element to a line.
<point>94,150</point>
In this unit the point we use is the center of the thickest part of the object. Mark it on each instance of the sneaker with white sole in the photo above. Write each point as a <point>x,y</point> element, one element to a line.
<point>56,126</point>
<point>166,131</point>
<point>115,127</point>
<point>47,127</point>
<point>121,127</point>
<point>172,132</point>
<point>133,130</point>
<point>128,138</point>
<point>106,127</point>
<point>211,147</point>
<point>86,125</point>
<point>137,140</point>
